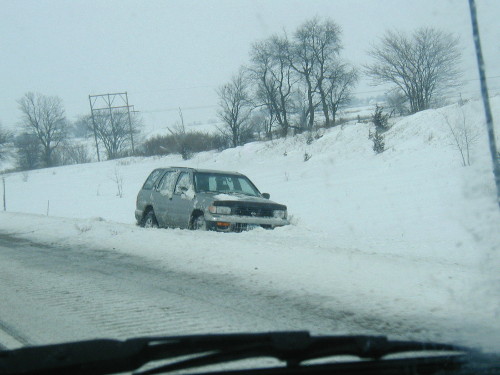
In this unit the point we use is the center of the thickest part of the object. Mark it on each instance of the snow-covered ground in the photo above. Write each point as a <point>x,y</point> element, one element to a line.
<point>409,234</point>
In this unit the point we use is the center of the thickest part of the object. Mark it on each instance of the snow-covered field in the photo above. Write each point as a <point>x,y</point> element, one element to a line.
<point>406,235</point>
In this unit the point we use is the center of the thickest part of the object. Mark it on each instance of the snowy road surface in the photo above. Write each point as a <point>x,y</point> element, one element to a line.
<point>72,279</point>
<point>79,294</point>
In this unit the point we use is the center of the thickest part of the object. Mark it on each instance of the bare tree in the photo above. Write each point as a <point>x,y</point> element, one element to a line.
<point>5,137</point>
<point>397,102</point>
<point>302,59</point>
<point>294,77</point>
<point>113,131</point>
<point>235,108</point>
<point>29,151</point>
<point>340,79</point>
<point>422,65</point>
<point>117,178</point>
<point>314,56</point>
<point>325,43</point>
<point>273,73</point>
<point>266,88</point>
<point>82,127</point>
<point>463,134</point>
<point>262,121</point>
<point>73,153</point>
<point>180,136</point>
<point>44,117</point>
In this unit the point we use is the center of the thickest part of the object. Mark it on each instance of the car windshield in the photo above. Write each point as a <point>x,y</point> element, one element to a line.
<point>184,167</point>
<point>224,183</point>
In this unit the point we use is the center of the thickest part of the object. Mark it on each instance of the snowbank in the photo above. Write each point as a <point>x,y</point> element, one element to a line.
<point>408,234</point>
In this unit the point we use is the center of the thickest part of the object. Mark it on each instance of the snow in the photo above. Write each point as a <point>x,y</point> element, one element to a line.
<point>231,197</point>
<point>409,234</point>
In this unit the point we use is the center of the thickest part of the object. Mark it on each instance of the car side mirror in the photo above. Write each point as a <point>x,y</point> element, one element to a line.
<point>266,195</point>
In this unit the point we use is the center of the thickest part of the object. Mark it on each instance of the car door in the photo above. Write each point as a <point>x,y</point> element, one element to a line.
<point>162,198</point>
<point>144,195</point>
<point>182,201</point>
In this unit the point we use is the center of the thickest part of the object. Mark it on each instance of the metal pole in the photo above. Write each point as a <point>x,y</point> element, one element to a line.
<point>130,124</point>
<point>113,130</point>
<point>94,128</point>
<point>486,101</point>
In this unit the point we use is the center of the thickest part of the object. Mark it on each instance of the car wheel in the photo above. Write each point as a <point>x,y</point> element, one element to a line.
<point>149,220</point>
<point>199,223</point>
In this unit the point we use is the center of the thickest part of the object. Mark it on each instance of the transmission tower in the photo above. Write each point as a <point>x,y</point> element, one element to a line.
<point>108,102</point>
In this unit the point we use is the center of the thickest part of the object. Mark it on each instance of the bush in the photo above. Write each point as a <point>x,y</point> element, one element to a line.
<point>379,119</point>
<point>29,151</point>
<point>186,145</point>
<point>378,142</point>
<point>397,103</point>
<point>72,154</point>
<point>5,138</point>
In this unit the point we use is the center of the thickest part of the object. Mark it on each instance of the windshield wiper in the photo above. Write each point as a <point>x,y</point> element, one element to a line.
<point>104,356</point>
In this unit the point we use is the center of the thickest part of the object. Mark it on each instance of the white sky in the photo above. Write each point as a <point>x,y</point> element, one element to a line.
<point>171,54</point>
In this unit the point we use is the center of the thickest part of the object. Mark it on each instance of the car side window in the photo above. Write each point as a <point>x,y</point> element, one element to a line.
<point>166,185</point>
<point>183,184</point>
<point>150,181</point>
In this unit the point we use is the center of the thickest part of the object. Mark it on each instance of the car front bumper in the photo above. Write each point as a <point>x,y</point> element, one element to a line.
<point>238,223</point>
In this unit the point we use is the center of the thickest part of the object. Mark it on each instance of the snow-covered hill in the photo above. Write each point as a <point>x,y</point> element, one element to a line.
<point>409,234</point>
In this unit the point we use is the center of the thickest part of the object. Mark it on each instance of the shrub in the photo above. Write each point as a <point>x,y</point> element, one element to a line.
<point>378,142</point>
<point>379,119</point>
<point>29,151</point>
<point>72,154</point>
<point>189,143</point>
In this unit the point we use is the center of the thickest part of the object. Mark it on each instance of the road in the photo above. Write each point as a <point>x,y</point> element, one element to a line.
<point>53,294</point>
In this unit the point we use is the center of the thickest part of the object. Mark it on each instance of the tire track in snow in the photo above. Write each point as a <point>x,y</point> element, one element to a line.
<point>56,294</point>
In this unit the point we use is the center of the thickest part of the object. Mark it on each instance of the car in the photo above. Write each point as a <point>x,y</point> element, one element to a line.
<point>201,199</point>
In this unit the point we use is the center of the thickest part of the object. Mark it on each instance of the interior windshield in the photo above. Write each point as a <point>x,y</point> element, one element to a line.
<point>187,167</point>
<point>224,183</point>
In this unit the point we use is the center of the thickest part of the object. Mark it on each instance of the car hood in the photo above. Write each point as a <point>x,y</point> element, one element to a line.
<point>236,199</point>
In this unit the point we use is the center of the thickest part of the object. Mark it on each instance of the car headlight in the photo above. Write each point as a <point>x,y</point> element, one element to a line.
<point>279,214</point>
<point>222,210</point>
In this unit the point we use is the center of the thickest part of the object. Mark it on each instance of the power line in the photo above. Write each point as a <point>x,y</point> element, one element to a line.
<point>177,109</point>
<point>191,108</point>
<point>175,89</point>
<point>213,87</point>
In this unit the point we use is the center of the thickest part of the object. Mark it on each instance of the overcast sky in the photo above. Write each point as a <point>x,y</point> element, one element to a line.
<point>171,54</point>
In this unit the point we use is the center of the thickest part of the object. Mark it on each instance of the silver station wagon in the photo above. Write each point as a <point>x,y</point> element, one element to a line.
<point>200,199</point>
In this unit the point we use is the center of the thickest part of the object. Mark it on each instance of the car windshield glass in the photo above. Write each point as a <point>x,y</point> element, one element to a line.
<point>224,183</point>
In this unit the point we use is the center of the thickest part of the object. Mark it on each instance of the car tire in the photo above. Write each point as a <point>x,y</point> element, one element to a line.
<point>149,220</point>
<point>199,223</point>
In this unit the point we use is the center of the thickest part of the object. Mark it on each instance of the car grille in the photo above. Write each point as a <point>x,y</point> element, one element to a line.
<point>253,211</point>
<point>240,227</point>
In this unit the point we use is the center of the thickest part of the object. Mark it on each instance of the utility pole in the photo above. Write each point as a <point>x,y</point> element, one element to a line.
<point>106,102</point>
<point>486,100</point>
<point>93,127</point>
<point>130,124</point>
